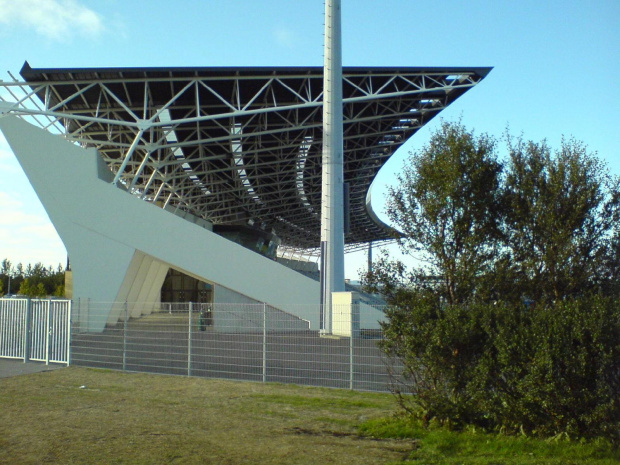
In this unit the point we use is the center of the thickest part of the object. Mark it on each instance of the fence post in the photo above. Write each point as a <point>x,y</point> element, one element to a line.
<point>27,330</point>
<point>69,317</point>
<point>264,342</point>
<point>125,324</point>
<point>189,341</point>
<point>354,319</point>
<point>48,330</point>
<point>351,337</point>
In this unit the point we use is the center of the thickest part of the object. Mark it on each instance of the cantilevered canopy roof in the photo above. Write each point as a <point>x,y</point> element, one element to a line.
<point>243,145</point>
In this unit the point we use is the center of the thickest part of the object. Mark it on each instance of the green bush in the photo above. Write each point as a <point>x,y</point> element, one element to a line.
<point>435,348</point>
<point>541,369</point>
<point>572,384</point>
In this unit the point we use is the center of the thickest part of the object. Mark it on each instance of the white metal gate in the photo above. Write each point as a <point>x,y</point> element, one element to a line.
<point>35,329</point>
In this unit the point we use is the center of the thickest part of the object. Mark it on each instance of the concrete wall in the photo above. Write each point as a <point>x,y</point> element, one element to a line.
<point>235,312</point>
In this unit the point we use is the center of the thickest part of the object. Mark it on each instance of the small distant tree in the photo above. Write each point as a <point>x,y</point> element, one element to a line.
<point>31,289</point>
<point>60,291</point>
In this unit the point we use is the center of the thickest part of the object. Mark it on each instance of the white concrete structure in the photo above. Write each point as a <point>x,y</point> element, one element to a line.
<point>121,247</point>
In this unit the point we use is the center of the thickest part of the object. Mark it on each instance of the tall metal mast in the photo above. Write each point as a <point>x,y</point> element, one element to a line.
<point>332,197</point>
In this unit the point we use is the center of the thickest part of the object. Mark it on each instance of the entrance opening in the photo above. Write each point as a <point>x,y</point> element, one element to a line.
<point>179,287</point>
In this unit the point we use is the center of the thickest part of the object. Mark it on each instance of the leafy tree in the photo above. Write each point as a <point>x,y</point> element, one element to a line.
<point>611,267</point>
<point>7,267</point>
<point>562,210</point>
<point>501,326</point>
<point>41,281</point>
<point>446,205</point>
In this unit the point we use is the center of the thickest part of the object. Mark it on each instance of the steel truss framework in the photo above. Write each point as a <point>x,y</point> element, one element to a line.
<point>239,145</point>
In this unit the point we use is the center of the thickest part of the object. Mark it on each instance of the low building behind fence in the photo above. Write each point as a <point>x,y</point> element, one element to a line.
<point>253,342</point>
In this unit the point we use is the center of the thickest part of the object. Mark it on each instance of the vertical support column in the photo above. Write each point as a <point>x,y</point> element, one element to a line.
<point>369,257</point>
<point>332,208</point>
<point>264,342</point>
<point>125,325</point>
<point>189,340</point>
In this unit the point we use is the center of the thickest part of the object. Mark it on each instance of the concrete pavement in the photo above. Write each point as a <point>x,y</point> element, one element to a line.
<point>13,367</point>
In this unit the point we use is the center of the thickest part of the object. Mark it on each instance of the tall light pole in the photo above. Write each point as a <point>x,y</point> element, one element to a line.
<point>332,195</point>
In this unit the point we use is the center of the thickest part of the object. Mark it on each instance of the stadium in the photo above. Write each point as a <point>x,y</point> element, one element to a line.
<point>209,176</point>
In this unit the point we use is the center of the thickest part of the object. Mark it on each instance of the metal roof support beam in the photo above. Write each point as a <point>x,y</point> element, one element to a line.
<point>130,152</point>
<point>278,112</point>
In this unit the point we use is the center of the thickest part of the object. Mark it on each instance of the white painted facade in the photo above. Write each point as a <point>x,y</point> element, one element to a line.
<point>121,246</point>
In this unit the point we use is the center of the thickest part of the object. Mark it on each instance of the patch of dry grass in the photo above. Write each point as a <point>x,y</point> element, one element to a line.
<point>119,418</point>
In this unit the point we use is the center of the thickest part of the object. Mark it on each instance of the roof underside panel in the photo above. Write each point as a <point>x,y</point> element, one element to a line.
<point>243,145</point>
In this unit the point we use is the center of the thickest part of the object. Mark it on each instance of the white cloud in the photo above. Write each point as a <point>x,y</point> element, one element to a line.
<point>55,19</point>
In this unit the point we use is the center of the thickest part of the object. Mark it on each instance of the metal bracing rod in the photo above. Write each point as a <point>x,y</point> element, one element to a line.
<point>149,182</point>
<point>130,152</point>
<point>138,173</point>
<point>467,73</point>
<point>237,114</point>
<point>29,96</point>
<point>293,91</point>
<point>46,98</point>
<point>197,102</point>
<point>81,115</point>
<point>72,96</point>
<point>120,102</point>
<point>167,200</point>
<point>257,94</point>
<point>61,115</point>
<point>155,117</point>
<point>161,188</point>
<point>237,94</point>
<point>302,127</point>
<point>147,156</point>
<point>146,107</point>
<point>219,97</point>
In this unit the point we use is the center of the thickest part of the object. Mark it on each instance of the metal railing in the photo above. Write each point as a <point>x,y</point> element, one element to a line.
<point>253,342</point>
<point>232,341</point>
<point>35,329</point>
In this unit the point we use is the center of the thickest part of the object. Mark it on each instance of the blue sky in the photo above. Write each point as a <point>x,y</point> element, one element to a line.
<point>555,66</point>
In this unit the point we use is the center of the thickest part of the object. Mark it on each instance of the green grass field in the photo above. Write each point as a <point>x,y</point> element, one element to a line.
<point>87,416</point>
